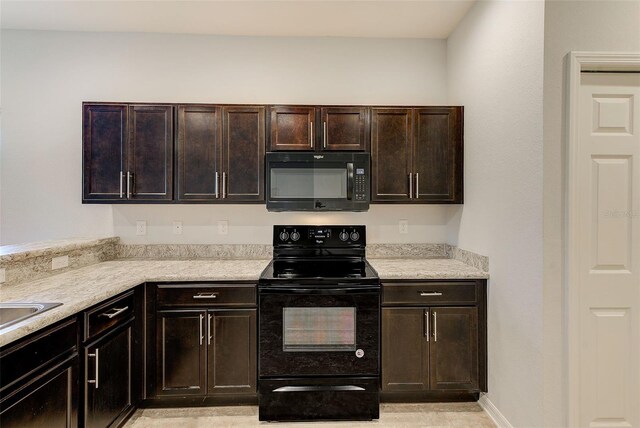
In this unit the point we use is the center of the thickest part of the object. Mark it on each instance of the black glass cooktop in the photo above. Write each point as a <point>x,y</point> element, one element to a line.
<point>341,270</point>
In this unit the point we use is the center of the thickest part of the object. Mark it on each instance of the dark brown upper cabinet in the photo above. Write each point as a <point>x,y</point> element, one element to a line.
<point>127,152</point>
<point>344,128</point>
<point>292,128</point>
<point>309,128</point>
<point>243,148</point>
<point>199,152</point>
<point>417,155</point>
<point>221,153</point>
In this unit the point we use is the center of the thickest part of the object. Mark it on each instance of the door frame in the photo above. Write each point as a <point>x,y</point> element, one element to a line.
<point>577,63</point>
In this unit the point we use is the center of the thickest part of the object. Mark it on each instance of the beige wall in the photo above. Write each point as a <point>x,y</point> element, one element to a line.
<point>46,76</point>
<point>494,64</point>
<point>611,26</point>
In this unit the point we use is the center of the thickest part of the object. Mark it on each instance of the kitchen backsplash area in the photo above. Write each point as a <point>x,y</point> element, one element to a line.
<point>28,262</point>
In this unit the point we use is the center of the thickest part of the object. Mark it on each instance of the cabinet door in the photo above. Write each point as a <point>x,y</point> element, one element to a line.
<point>454,348</point>
<point>181,360</point>
<point>292,128</point>
<point>49,401</point>
<point>344,128</point>
<point>437,154</point>
<point>104,144</point>
<point>232,351</point>
<point>391,132</point>
<point>151,152</point>
<point>405,349</point>
<point>243,147</point>
<point>199,154</point>
<point>108,378</point>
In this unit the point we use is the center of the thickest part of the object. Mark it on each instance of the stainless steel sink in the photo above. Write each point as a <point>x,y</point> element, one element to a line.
<point>12,313</point>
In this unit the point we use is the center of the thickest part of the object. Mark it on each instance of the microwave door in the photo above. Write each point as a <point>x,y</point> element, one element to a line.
<point>302,182</point>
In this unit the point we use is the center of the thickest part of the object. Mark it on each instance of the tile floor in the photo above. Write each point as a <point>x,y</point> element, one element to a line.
<point>458,415</point>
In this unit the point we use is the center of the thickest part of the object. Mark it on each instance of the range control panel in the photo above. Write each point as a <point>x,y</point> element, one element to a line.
<point>314,236</point>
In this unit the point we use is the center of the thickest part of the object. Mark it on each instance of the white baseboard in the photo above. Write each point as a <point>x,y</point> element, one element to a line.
<point>493,412</point>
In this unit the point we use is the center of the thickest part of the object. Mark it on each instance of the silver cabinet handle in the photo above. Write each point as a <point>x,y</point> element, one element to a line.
<point>217,182</point>
<point>417,185</point>
<point>224,185</point>
<point>430,293</point>
<point>410,185</point>
<point>121,178</point>
<point>206,296</point>
<point>435,326</point>
<point>200,328</point>
<point>426,328</point>
<point>210,328</point>
<point>311,139</point>
<point>128,185</point>
<point>95,355</point>
<point>115,313</point>
<point>324,134</point>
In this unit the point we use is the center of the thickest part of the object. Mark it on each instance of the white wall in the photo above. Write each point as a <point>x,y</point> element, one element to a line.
<point>611,26</point>
<point>46,76</point>
<point>495,70</point>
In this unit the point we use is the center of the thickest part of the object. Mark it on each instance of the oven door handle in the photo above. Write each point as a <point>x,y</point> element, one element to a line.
<point>311,388</point>
<point>325,291</point>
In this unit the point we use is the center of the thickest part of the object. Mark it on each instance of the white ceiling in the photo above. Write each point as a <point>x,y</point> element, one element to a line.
<point>295,18</point>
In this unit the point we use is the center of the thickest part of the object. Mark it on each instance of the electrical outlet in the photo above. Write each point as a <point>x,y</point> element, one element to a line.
<point>403,226</point>
<point>141,227</point>
<point>223,227</point>
<point>177,228</point>
<point>3,277</point>
<point>59,262</point>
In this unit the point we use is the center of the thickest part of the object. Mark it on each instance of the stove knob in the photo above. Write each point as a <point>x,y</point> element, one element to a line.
<point>344,236</point>
<point>355,236</point>
<point>295,236</point>
<point>284,236</point>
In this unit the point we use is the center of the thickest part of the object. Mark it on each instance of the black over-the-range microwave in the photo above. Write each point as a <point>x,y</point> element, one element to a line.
<point>336,181</point>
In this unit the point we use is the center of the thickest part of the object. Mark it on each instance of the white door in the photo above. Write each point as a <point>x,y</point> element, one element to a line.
<point>608,259</point>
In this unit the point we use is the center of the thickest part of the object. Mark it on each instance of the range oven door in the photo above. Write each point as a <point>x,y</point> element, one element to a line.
<point>319,331</point>
<point>317,182</point>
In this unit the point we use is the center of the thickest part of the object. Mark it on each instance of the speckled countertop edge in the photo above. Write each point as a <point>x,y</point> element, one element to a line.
<point>14,253</point>
<point>82,288</point>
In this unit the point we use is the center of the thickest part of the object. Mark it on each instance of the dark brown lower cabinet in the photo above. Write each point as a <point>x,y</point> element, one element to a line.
<point>206,352</point>
<point>431,351</point>
<point>108,363</point>
<point>39,379</point>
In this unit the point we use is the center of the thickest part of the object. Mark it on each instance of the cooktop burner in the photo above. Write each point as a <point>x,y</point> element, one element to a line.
<point>319,269</point>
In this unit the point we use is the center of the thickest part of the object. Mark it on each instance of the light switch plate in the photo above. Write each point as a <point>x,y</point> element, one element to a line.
<point>177,228</point>
<point>141,227</point>
<point>223,227</point>
<point>403,226</point>
<point>59,262</point>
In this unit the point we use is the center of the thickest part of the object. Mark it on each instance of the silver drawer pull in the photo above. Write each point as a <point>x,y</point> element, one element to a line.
<point>312,388</point>
<point>115,312</point>
<point>430,293</point>
<point>206,296</point>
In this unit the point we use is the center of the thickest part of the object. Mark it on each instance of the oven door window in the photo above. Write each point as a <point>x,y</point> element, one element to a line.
<point>308,183</point>
<point>319,329</point>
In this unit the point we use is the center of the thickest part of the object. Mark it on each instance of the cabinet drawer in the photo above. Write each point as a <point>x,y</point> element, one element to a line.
<point>227,295</point>
<point>19,360</point>
<point>109,314</point>
<point>429,293</point>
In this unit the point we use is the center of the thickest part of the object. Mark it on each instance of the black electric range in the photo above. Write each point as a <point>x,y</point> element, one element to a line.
<point>319,327</point>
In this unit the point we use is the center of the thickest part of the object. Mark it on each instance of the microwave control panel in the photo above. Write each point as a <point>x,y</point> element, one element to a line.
<point>360,186</point>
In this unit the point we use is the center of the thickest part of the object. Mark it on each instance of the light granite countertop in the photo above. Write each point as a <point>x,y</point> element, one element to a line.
<point>84,287</point>
<point>417,268</point>
<point>81,288</point>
